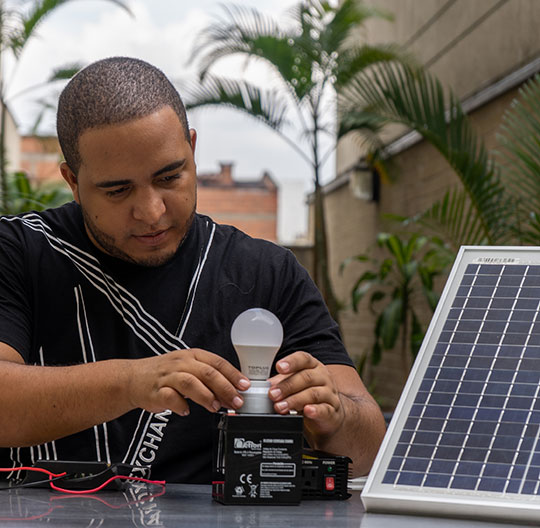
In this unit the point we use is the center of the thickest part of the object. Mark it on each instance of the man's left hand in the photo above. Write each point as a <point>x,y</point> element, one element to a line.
<point>305,385</point>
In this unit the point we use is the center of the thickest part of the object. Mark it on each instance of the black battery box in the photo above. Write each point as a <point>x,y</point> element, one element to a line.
<point>258,459</point>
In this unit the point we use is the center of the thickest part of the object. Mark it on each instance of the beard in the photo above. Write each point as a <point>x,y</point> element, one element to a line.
<point>107,243</point>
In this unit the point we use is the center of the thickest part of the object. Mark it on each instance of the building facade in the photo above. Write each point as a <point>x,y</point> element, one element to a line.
<point>250,205</point>
<point>483,50</point>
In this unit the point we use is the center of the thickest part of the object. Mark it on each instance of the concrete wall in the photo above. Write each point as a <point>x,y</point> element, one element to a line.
<point>469,46</point>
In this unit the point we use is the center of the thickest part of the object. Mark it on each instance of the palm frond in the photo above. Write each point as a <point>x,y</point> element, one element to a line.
<point>520,157</point>
<point>64,73</point>
<point>46,107</point>
<point>453,219</point>
<point>398,94</point>
<point>356,59</point>
<point>248,32</point>
<point>265,105</point>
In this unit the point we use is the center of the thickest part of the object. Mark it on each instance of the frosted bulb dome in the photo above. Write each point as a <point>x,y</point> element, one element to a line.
<point>257,327</point>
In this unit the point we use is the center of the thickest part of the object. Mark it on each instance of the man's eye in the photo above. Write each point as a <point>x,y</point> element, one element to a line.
<point>170,178</point>
<point>117,192</point>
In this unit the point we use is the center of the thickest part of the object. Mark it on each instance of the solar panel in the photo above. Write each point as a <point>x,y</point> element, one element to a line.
<point>465,436</point>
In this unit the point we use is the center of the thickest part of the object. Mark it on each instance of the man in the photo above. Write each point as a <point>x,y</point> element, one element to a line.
<point>116,309</point>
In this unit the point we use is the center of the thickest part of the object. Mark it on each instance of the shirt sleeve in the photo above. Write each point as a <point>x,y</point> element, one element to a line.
<point>306,321</point>
<point>15,311</point>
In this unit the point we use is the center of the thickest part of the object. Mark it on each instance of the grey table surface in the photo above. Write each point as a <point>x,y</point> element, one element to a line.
<point>184,505</point>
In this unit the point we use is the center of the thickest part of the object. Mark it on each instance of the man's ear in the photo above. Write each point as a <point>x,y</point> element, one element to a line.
<point>71,179</point>
<point>193,136</point>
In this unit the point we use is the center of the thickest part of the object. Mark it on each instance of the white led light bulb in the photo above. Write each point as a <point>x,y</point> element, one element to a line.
<point>256,335</point>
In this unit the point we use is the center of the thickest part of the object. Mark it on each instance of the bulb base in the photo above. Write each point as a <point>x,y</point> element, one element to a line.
<point>256,400</point>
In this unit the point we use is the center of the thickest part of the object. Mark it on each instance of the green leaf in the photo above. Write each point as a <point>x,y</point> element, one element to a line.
<point>356,258</point>
<point>376,353</point>
<point>376,297</point>
<point>65,72</point>
<point>417,335</point>
<point>391,322</point>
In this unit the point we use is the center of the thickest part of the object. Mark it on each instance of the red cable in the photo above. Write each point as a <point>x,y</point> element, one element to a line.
<point>80,492</point>
<point>108,481</point>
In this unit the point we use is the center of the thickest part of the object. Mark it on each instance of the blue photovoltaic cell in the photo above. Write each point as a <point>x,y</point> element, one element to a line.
<point>475,420</point>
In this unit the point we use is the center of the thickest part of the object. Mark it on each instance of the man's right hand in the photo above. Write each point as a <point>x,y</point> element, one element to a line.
<point>40,404</point>
<point>167,381</point>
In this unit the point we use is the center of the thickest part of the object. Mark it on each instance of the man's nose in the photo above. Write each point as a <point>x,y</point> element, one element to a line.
<point>149,207</point>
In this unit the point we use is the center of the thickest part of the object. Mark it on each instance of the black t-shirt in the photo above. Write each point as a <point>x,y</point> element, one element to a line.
<point>64,302</point>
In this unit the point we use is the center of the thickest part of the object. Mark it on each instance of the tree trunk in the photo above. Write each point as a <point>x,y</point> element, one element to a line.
<point>4,206</point>
<point>320,264</point>
<point>4,203</point>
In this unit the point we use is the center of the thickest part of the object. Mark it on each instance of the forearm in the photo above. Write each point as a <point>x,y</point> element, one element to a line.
<point>40,404</point>
<point>359,435</point>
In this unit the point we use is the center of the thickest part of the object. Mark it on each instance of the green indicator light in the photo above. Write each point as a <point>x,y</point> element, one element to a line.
<point>329,469</point>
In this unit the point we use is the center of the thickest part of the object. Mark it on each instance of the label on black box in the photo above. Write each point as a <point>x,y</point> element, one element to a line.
<point>277,448</point>
<point>246,448</point>
<point>278,469</point>
<point>269,489</point>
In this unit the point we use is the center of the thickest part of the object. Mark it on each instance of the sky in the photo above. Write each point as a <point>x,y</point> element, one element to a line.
<point>163,32</point>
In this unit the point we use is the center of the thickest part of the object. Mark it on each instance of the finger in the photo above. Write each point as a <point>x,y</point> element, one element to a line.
<point>322,412</point>
<point>274,380</point>
<point>295,362</point>
<point>190,386</point>
<point>226,369</point>
<point>287,386</point>
<point>215,384</point>
<point>211,370</point>
<point>311,396</point>
<point>170,399</point>
<point>322,419</point>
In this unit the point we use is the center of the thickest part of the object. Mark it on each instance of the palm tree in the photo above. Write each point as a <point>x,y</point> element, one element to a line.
<point>498,199</point>
<point>313,57</point>
<point>519,159</point>
<point>17,26</point>
<point>476,212</point>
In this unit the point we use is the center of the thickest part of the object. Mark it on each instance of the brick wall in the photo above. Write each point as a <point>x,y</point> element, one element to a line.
<point>40,157</point>
<point>251,210</point>
<point>248,205</point>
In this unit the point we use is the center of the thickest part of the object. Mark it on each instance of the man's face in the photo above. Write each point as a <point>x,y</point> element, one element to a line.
<point>137,187</point>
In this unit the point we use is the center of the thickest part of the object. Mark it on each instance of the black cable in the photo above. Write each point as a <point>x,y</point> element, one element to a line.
<point>33,484</point>
<point>66,478</point>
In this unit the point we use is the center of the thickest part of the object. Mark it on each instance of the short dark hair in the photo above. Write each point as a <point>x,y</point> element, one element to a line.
<point>112,91</point>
